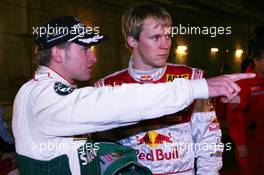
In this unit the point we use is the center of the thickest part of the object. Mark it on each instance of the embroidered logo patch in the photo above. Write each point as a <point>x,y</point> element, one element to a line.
<point>171,77</point>
<point>216,154</point>
<point>214,125</point>
<point>62,89</point>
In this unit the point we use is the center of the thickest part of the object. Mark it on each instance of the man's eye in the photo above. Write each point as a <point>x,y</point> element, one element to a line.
<point>155,38</point>
<point>168,36</point>
<point>86,48</point>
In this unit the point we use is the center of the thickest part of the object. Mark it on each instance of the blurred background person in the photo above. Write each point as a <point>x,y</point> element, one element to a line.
<point>6,139</point>
<point>245,112</point>
<point>7,147</point>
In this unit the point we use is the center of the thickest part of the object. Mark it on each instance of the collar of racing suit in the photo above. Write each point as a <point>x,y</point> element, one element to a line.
<point>145,76</point>
<point>44,72</point>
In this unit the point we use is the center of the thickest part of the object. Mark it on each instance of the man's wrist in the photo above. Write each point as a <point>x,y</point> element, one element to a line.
<point>200,89</point>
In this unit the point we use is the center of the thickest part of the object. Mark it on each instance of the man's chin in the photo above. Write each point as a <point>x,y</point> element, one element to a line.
<point>84,78</point>
<point>160,65</point>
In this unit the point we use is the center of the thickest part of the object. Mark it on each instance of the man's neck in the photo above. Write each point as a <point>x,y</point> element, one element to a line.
<point>61,73</point>
<point>142,67</point>
<point>138,63</point>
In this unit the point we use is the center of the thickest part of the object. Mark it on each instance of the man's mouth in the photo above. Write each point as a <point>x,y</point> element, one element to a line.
<point>163,55</point>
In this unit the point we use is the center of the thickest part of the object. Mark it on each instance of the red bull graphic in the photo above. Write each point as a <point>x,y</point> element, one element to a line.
<point>145,77</point>
<point>158,155</point>
<point>153,139</point>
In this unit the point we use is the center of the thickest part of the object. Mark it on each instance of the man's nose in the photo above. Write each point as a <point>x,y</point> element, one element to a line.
<point>91,56</point>
<point>165,43</point>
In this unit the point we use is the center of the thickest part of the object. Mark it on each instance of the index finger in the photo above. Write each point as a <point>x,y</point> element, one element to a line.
<point>240,76</point>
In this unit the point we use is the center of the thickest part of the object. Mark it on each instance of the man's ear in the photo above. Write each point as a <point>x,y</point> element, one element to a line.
<point>58,54</point>
<point>132,42</point>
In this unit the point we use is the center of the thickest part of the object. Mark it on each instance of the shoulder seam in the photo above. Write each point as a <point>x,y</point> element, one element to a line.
<point>115,73</point>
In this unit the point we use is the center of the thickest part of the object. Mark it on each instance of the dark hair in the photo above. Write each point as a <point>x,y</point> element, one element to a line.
<point>44,56</point>
<point>246,62</point>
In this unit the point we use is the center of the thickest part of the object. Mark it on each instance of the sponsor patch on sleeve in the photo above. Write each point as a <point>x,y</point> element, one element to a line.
<point>62,89</point>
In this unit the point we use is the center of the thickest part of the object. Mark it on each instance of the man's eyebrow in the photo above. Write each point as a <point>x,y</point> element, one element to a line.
<point>156,34</point>
<point>157,25</point>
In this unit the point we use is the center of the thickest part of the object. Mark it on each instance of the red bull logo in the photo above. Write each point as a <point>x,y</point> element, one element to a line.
<point>153,139</point>
<point>145,77</point>
<point>158,155</point>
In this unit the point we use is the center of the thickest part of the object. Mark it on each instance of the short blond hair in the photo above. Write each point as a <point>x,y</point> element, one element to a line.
<point>133,18</point>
